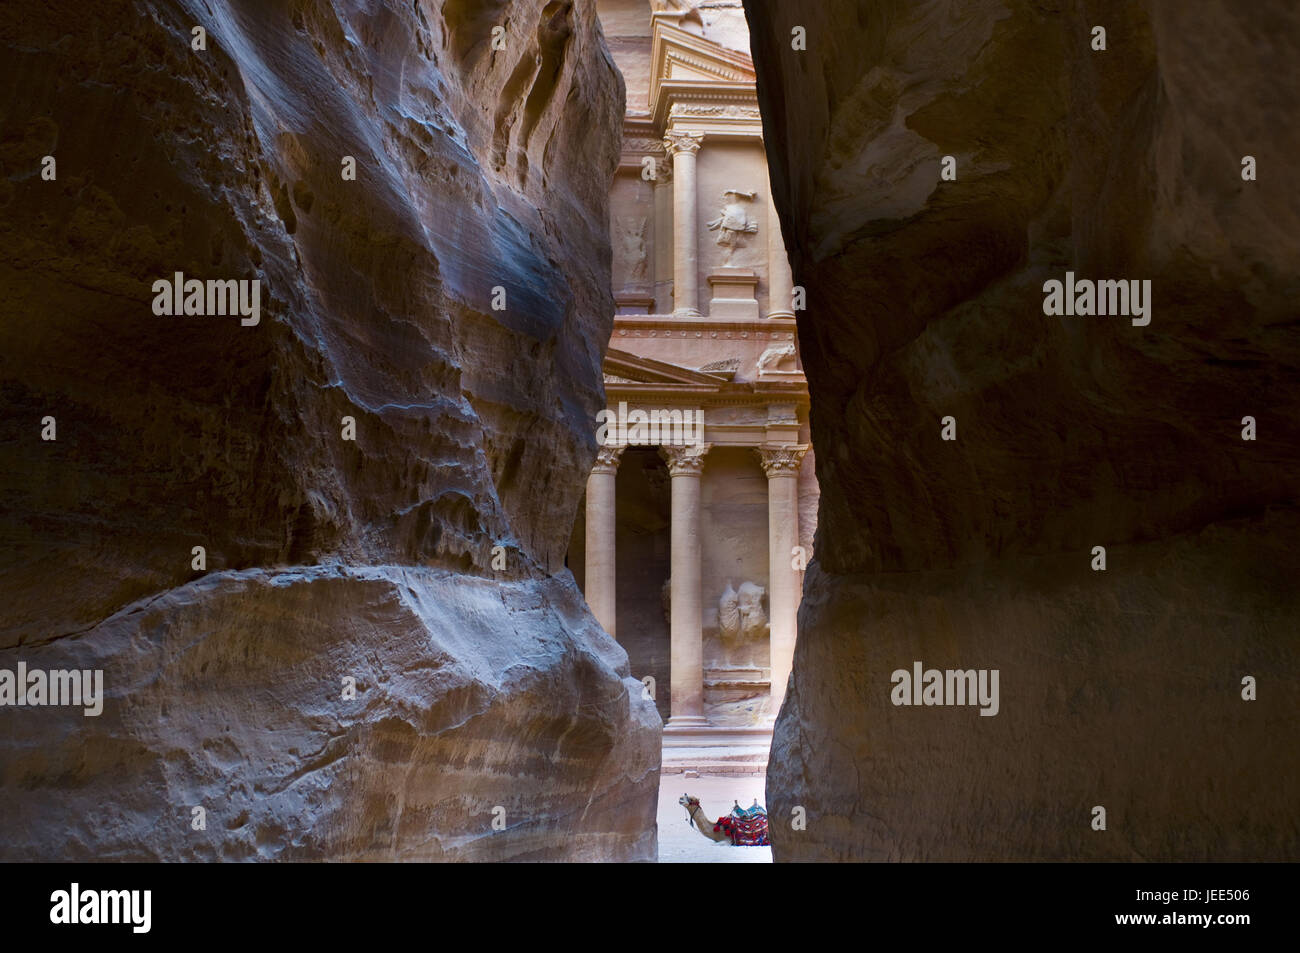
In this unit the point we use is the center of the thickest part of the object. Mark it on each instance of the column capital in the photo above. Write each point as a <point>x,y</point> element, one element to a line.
<point>780,461</point>
<point>685,461</point>
<point>687,143</point>
<point>607,459</point>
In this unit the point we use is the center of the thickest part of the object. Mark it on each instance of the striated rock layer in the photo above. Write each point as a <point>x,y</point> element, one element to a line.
<point>453,301</point>
<point>1120,689</point>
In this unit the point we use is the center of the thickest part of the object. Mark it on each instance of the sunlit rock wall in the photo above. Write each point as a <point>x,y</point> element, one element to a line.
<point>1120,688</point>
<point>452,300</point>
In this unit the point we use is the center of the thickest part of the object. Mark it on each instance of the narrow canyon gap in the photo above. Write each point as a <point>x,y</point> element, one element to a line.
<point>421,561</point>
<point>1119,688</point>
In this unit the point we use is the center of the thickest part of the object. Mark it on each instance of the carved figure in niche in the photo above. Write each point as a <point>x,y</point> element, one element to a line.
<point>741,619</point>
<point>734,224</point>
<point>753,621</point>
<point>729,614</point>
<point>775,356</point>
<point>632,233</point>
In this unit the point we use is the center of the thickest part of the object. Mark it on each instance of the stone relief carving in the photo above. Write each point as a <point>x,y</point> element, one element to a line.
<point>639,144</point>
<point>780,461</point>
<point>727,112</point>
<point>607,459</point>
<point>753,620</point>
<point>728,614</point>
<point>687,142</point>
<point>726,368</point>
<point>775,356</point>
<point>734,225</point>
<point>631,232</point>
<point>685,460</point>
<point>740,614</point>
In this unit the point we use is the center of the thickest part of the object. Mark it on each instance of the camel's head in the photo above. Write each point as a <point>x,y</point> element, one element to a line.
<point>690,803</point>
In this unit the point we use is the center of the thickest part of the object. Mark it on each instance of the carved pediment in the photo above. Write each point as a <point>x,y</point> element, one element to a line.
<point>678,54</point>
<point>633,368</point>
<point>682,57</point>
<point>682,66</point>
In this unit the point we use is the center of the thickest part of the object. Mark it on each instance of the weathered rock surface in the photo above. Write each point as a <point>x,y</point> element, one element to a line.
<point>925,299</point>
<point>477,169</point>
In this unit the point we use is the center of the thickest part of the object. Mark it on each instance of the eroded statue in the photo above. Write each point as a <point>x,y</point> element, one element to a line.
<point>775,356</point>
<point>734,225</point>
<point>632,233</point>
<point>740,613</point>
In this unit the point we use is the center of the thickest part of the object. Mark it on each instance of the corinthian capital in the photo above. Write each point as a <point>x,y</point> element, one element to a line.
<point>607,459</point>
<point>780,461</point>
<point>685,461</point>
<point>685,142</point>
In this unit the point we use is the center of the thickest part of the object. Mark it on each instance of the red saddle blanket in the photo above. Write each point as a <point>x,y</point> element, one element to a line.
<point>744,831</point>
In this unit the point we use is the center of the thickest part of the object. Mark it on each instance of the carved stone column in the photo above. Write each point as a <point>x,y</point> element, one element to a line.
<point>600,536</point>
<point>683,146</point>
<point>664,239</point>
<point>685,465</point>
<point>781,464</point>
<point>780,283</point>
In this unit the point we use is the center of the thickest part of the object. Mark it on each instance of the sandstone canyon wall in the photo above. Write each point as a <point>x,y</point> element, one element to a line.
<point>1119,688</point>
<point>477,686</point>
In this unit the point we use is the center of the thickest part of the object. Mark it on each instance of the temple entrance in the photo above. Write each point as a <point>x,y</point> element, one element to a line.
<point>642,567</point>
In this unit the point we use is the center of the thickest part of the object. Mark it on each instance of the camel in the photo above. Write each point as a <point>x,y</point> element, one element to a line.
<point>742,828</point>
<point>699,820</point>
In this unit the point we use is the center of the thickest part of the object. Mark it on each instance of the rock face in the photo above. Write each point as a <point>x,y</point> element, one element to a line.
<point>452,300</point>
<point>1119,688</point>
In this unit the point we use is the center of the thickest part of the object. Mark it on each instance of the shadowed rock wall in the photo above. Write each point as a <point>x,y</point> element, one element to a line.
<point>481,178</point>
<point>1121,688</point>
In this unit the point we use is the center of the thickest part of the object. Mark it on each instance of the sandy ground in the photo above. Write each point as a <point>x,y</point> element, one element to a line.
<point>679,843</point>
